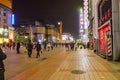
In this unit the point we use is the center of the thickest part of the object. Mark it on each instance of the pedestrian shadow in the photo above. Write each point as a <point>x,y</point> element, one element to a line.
<point>42,59</point>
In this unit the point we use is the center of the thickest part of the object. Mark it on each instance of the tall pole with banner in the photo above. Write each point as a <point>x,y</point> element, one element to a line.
<point>31,34</point>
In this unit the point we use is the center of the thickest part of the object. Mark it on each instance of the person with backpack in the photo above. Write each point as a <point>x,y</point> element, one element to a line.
<point>3,56</point>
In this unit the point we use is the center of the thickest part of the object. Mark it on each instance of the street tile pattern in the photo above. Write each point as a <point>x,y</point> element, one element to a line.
<point>72,65</point>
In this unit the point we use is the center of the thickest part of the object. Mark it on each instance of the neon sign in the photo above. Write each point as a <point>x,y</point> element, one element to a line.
<point>13,19</point>
<point>104,11</point>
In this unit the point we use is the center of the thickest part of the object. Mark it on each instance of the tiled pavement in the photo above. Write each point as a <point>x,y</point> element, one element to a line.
<point>62,65</point>
<point>17,63</point>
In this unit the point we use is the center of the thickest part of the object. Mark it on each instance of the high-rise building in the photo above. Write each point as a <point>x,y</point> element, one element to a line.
<point>6,29</point>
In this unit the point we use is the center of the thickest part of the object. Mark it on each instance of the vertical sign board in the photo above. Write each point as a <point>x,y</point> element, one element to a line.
<point>109,45</point>
<point>13,19</point>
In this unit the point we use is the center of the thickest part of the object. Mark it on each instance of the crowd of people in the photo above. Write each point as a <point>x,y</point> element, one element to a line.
<point>38,47</point>
<point>47,46</point>
<point>16,46</point>
<point>74,46</point>
<point>29,47</point>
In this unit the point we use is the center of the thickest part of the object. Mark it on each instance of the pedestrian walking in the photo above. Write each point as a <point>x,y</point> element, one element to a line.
<point>10,45</point>
<point>67,46</point>
<point>48,46</point>
<point>29,48</point>
<point>51,46</point>
<point>18,47</point>
<point>75,46</point>
<point>88,45</point>
<point>2,68</point>
<point>38,49</point>
<point>72,46</point>
<point>45,46</point>
<point>3,45</point>
<point>14,45</point>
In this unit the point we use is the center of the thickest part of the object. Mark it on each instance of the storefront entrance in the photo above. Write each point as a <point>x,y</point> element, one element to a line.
<point>103,38</point>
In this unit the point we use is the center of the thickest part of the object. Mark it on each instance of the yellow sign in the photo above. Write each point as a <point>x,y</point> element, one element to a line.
<point>7,3</point>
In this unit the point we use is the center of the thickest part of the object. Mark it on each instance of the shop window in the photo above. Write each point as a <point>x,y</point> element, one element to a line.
<point>4,14</point>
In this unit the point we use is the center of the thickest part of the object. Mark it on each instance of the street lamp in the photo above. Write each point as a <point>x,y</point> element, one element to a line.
<point>58,23</point>
<point>47,25</point>
<point>60,28</point>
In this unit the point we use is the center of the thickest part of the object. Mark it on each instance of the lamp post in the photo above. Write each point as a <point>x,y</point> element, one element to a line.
<point>47,26</point>
<point>3,35</point>
<point>60,30</point>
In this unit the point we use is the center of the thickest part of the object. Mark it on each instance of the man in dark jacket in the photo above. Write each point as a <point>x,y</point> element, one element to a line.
<point>38,49</point>
<point>18,47</point>
<point>2,69</point>
<point>29,48</point>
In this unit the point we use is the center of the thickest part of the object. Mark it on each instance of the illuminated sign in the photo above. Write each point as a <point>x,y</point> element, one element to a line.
<point>104,11</point>
<point>81,21</point>
<point>86,21</point>
<point>13,19</point>
<point>9,18</point>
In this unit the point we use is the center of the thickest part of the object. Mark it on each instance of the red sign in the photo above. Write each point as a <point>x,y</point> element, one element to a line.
<point>106,16</point>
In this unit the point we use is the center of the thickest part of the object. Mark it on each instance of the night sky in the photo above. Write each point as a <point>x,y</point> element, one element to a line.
<point>66,11</point>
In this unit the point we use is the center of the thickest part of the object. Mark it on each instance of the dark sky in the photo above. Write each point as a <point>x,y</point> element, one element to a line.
<point>52,10</point>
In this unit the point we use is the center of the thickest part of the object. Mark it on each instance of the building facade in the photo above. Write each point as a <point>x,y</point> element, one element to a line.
<point>6,29</point>
<point>106,27</point>
<point>37,32</point>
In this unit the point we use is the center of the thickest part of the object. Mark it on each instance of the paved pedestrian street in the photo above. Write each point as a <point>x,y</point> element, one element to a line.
<point>59,64</point>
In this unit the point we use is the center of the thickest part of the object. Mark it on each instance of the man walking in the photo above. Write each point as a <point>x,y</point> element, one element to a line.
<point>38,49</point>
<point>29,48</point>
<point>18,47</point>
